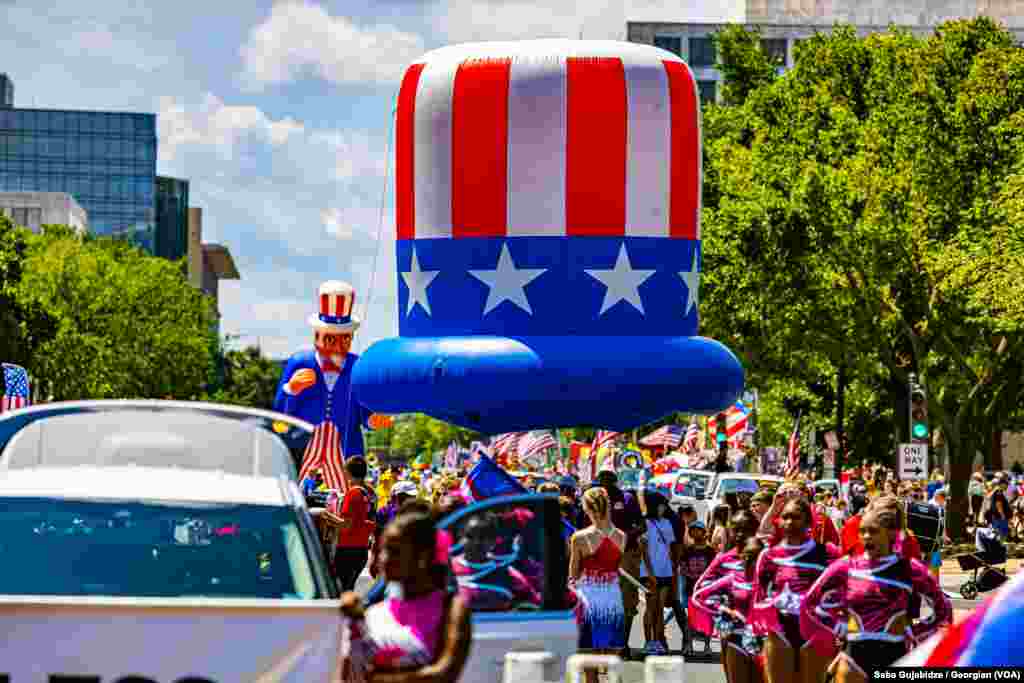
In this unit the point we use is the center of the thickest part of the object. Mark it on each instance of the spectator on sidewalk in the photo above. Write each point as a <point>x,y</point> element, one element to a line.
<point>357,525</point>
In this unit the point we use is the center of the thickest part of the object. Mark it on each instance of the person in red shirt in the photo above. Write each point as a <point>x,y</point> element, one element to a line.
<point>356,526</point>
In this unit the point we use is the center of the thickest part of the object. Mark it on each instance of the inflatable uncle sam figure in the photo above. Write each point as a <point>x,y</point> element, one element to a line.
<point>316,387</point>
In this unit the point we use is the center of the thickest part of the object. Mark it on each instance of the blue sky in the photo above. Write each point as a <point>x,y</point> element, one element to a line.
<point>279,115</point>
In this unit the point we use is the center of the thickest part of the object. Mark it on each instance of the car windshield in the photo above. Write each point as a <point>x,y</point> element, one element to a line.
<point>739,486</point>
<point>691,486</point>
<point>130,549</point>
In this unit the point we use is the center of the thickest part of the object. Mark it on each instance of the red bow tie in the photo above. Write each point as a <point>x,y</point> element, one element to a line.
<point>329,366</point>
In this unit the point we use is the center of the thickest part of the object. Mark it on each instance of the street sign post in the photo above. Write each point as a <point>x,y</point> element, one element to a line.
<point>913,460</point>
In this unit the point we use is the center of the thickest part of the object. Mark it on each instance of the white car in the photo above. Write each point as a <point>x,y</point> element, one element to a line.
<point>739,482</point>
<point>157,529</point>
<point>686,487</point>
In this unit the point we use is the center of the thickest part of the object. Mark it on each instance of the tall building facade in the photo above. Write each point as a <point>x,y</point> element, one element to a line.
<point>783,23</point>
<point>6,91</point>
<point>105,160</point>
<point>171,218</point>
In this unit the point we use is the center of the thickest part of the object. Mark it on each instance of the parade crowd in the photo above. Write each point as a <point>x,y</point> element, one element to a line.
<point>796,581</point>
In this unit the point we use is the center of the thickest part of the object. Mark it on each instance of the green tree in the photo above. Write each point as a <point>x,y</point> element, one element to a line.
<point>24,326</point>
<point>250,379</point>
<point>858,209</point>
<point>417,434</point>
<point>127,325</point>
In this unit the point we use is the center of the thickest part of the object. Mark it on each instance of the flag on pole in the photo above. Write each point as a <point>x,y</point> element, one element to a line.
<point>736,420</point>
<point>535,443</point>
<point>668,436</point>
<point>16,388</point>
<point>506,443</point>
<point>324,451</point>
<point>793,455</point>
<point>602,438</point>
<point>692,438</point>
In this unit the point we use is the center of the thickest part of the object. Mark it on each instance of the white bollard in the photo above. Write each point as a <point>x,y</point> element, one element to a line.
<point>664,669</point>
<point>578,664</point>
<point>530,667</point>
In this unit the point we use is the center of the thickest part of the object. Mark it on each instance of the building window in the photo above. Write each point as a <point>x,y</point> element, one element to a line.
<point>673,44</point>
<point>702,52</point>
<point>774,49</point>
<point>708,90</point>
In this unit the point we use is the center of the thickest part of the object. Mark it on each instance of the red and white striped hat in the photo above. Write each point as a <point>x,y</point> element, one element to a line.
<point>563,138</point>
<point>336,300</point>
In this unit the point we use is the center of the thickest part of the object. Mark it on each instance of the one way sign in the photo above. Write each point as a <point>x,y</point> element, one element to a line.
<point>913,459</point>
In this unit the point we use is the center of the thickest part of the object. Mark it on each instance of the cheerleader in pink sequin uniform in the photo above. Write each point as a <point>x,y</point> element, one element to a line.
<point>422,631</point>
<point>727,564</point>
<point>784,574</point>
<point>869,601</point>
<point>725,604</point>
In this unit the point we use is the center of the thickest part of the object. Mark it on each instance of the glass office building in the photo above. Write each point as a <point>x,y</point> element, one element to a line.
<point>171,218</point>
<point>105,160</point>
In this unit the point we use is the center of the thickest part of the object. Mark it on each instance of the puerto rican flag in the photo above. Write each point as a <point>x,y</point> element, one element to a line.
<point>546,187</point>
<point>736,420</point>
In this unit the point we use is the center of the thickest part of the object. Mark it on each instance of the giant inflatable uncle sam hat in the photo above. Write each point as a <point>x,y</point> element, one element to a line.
<point>548,203</point>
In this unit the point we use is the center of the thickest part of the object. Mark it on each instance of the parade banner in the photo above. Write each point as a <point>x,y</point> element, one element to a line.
<point>168,640</point>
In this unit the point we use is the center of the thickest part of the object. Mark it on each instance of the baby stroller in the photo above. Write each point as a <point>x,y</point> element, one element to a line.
<point>985,576</point>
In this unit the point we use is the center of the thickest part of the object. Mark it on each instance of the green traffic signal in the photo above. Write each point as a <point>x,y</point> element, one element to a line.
<point>920,430</point>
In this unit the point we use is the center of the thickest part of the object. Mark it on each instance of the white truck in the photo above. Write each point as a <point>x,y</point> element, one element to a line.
<point>153,541</point>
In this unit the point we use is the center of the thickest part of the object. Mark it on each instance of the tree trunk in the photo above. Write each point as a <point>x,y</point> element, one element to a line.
<point>957,502</point>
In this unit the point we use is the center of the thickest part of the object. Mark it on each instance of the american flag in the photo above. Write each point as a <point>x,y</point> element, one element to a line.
<point>692,437</point>
<point>793,457</point>
<point>324,451</point>
<point>16,391</point>
<point>668,436</point>
<point>506,443</point>
<point>535,443</point>
<point>601,439</point>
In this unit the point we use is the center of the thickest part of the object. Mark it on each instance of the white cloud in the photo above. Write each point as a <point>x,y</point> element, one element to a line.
<point>301,38</point>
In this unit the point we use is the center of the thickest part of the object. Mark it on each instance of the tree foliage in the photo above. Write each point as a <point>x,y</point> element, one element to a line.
<point>250,379</point>
<point>863,210</point>
<point>126,325</point>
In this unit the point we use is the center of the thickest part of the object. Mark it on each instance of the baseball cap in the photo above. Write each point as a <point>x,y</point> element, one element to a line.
<point>697,525</point>
<point>762,497</point>
<point>404,488</point>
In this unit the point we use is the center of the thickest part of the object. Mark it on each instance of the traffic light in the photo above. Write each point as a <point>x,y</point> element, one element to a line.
<point>919,431</point>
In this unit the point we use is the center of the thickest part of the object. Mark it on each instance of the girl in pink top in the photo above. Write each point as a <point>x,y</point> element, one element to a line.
<point>784,574</point>
<point>424,631</point>
<point>870,601</point>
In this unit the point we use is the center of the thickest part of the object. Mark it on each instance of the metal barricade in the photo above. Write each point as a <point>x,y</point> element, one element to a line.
<point>609,664</point>
<point>530,667</point>
<point>664,669</point>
